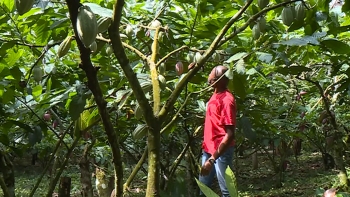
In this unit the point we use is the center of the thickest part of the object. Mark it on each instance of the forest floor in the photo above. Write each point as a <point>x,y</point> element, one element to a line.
<point>300,179</point>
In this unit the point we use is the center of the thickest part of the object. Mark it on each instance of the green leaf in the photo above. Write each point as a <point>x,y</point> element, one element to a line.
<point>236,57</point>
<point>293,70</point>
<point>37,90</point>
<point>4,139</point>
<point>240,67</point>
<point>97,9</point>
<point>231,182</point>
<point>336,46</point>
<point>76,106</point>
<point>206,190</point>
<point>8,95</point>
<point>247,128</point>
<point>21,125</point>
<point>10,4</point>
<point>264,57</point>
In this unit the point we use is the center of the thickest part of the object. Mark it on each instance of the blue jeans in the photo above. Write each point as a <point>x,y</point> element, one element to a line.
<point>219,169</point>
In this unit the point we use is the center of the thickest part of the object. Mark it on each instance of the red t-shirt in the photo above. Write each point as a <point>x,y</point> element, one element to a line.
<point>221,111</point>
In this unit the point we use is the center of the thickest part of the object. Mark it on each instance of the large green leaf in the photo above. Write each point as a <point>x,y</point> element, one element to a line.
<point>336,46</point>
<point>76,106</point>
<point>206,190</point>
<point>231,182</point>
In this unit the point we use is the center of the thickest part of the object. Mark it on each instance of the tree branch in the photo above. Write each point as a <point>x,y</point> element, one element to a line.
<point>170,54</point>
<point>123,60</point>
<point>250,20</point>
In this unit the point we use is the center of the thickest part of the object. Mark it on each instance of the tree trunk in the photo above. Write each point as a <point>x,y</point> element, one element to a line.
<point>85,174</point>
<point>6,168</point>
<point>65,185</point>
<point>104,183</point>
<point>94,86</point>
<point>255,160</point>
<point>153,181</point>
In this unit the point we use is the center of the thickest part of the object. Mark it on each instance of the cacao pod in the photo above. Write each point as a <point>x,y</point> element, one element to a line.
<point>129,30</point>
<point>256,31</point>
<point>161,36</point>
<point>299,12</point>
<point>23,6</point>
<point>93,46</point>
<point>263,3</point>
<point>287,16</point>
<point>197,57</point>
<point>37,73</point>
<point>86,25</point>
<point>64,46</point>
<point>146,86</point>
<point>155,24</point>
<point>109,50</point>
<point>262,24</point>
<point>138,112</point>
<point>179,67</point>
<point>162,69</point>
<point>123,37</point>
<point>140,131</point>
<point>162,81</point>
<point>189,57</point>
<point>216,57</point>
<point>103,24</point>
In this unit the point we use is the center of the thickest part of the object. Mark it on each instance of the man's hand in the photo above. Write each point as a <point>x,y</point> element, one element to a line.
<point>206,168</point>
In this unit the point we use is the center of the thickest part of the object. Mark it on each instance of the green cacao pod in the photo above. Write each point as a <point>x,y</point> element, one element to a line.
<point>162,69</point>
<point>161,36</point>
<point>162,81</point>
<point>299,12</point>
<point>93,46</point>
<point>256,31</point>
<point>262,24</point>
<point>129,30</point>
<point>263,3</point>
<point>216,57</point>
<point>287,16</point>
<point>155,24</point>
<point>189,57</point>
<point>37,73</point>
<point>109,50</point>
<point>86,25</point>
<point>197,57</point>
<point>140,131</point>
<point>138,112</point>
<point>103,24</point>
<point>23,6</point>
<point>64,46</point>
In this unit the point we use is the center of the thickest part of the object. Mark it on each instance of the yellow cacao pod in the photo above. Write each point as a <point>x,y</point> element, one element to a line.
<point>23,6</point>
<point>216,57</point>
<point>103,24</point>
<point>263,3</point>
<point>64,46</point>
<point>160,36</point>
<point>37,73</point>
<point>299,12</point>
<point>287,16</point>
<point>86,25</point>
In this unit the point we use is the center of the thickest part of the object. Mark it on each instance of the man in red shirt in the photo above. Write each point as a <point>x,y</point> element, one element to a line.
<point>219,131</point>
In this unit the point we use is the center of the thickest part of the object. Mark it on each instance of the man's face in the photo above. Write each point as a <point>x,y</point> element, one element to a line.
<point>216,73</point>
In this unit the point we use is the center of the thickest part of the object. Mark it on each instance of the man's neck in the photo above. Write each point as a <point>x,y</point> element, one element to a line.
<point>220,90</point>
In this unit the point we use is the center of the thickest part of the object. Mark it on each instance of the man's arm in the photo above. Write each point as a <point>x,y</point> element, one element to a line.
<point>225,143</point>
